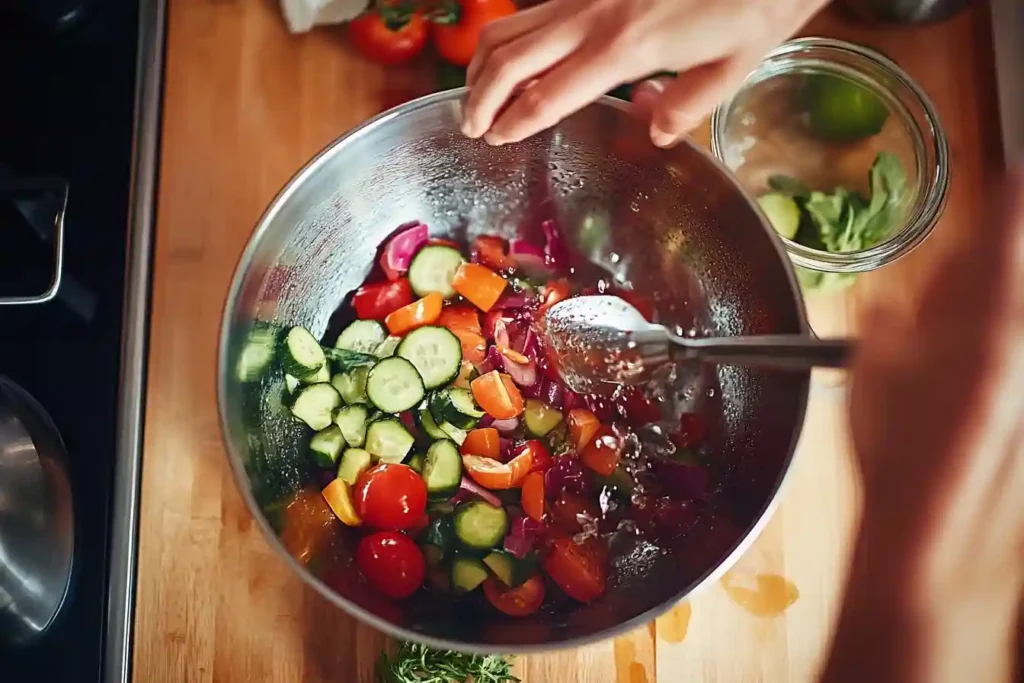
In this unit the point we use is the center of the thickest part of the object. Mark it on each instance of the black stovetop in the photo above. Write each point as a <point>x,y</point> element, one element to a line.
<point>67,104</point>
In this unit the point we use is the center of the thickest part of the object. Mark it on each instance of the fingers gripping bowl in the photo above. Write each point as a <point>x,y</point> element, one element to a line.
<point>672,224</point>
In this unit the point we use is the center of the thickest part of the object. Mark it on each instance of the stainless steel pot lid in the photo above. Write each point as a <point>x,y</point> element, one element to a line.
<point>36,518</point>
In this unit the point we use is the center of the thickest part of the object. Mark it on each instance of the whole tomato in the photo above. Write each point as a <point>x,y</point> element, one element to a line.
<point>392,562</point>
<point>391,496</point>
<point>390,34</point>
<point>456,29</point>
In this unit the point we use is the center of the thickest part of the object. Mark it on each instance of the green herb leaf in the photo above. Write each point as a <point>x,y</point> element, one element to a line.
<point>789,186</point>
<point>414,663</point>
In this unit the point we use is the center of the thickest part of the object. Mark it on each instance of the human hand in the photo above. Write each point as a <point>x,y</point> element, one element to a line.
<point>552,60</point>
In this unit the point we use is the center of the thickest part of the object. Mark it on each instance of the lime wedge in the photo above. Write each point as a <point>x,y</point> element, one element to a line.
<point>782,212</point>
<point>842,110</point>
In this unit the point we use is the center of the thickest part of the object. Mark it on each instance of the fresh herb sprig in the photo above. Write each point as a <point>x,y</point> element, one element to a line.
<point>414,663</point>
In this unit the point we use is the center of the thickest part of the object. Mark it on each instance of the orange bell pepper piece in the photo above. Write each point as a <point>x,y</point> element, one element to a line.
<point>417,314</point>
<point>497,395</point>
<point>533,495</point>
<point>484,441</point>
<point>480,285</point>
<point>583,425</point>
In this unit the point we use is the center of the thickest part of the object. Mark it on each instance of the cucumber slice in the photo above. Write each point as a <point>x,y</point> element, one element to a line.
<point>363,336</point>
<point>353,419</point>
<point>435,352</point>
<point>291,383</point>
<point>467,373</point>
<point>321,375</point>
<point>314,404</point>
<point>467,574</point>
<point>480,525</point>
<point>257,355</point>
<point>394,385</point>
<point>326,446</point>
<point>387,347</point>
<point>509,569</point>
<point>426,422</point>
<point>782,212</point>
<point>354,461</point>
<point>415,461</point>
<point>442,470</point>
<point>455,406</point>
<point>388,440</point>
<point>352,385</point>
<point>539,418</point>
<point>454,433</point>
<point>433,269</point>
<point>301,354</point>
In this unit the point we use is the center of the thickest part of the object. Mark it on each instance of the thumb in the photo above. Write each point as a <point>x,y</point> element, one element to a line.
<point>687,100</point>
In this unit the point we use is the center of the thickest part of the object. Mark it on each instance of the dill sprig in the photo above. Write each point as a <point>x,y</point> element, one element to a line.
<point>414,663</point>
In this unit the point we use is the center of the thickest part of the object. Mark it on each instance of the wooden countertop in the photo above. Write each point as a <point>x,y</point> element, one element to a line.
<point>245,106</point>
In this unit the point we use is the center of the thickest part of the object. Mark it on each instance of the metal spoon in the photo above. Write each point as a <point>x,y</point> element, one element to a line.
<point>603,339</point>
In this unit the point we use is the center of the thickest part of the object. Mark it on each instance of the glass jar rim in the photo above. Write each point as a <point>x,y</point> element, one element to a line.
<point>929,205</point>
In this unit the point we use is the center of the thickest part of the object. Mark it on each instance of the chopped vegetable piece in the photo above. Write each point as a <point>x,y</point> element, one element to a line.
<point>583,425</point>
<point>480,285</point>
<point>542,460</point>
<point>480,525</point>
<point>553,292</point>
<point>513,355</point>
<point>315,404</point>
<point>497,395</point>
<point>376,302</point>
<point>578,569</point>
<point>460,318</point>
<point>474,346</point>
<point>467,573</point>
<point>354,461</point>
<point>326,446</point>
<point>467,373</point>
<point>301,354</point>
<point>509,569</point>
<point>388,440</point>
<point>540,419</point>
<point>353,420</point>
<point>352,385</point>
<point>417,314</point>
<point>533,495</point>
<point>496,475</point>
<point>413,662</point>
<point>391,496</point>
<point>362,336</point>
<point>490,251</point>
<point>339,498</point>
<point>456,407</point>
<point>394,385</point>
<point>392,562</point>
<point>521,601</point>
<point>484,442</point>
<point>436,353</point>
<point>602,453</point>
<point>433,270</point>
<point>400,249</point>
<point>442,470</point>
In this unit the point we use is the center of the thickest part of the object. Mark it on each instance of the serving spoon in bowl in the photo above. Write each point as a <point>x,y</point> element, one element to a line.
<point>605,340</point>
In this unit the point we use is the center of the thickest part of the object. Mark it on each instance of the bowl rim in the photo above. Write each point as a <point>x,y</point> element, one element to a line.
<point>711,575</point>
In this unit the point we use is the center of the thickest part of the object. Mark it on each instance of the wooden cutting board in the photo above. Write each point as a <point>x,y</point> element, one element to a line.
<point>245,106</point>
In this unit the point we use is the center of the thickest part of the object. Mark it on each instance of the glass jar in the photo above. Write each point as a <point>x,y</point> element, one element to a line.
<point>773,127</point>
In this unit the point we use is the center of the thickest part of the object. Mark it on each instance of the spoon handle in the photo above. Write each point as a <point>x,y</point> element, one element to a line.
<point>784,352</point>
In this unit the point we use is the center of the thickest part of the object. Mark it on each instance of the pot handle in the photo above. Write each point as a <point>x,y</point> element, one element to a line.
<point>60,189</point>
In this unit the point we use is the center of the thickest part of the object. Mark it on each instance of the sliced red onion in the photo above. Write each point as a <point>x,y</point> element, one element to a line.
<point>523,374</point>
<point>536,390</point>
<point>555,253</point>
<point>501,336</point>
<point>522,536</point>
<point>506,426</point>
<point>485,421</point>
<point>470,486</point>
<point>530,258</point>
<point>505,447</point>
<point>568,474</point>
<point>492,361</point>
<point>554,394</point>
<point>399,251</point>
<point>571,400</point>
<point>513,301</point>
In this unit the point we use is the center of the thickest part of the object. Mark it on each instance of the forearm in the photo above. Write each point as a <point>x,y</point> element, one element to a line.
<point>892,630</point>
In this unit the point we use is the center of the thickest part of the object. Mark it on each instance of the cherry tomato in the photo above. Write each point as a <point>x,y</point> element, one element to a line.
<point>483,441</point>
<point>523,600</point>
<point>495,475</point>
<point>376,302</point>
<point>457,35</point>
<point>391,496</point>
<point>692,430</point>
<point>542,460</point>
<point>490,251</point>
<point>533,496</point>
<point>602,453</point>
<point>578,569</point>
<point>388,35</point>
<point>392,562</point>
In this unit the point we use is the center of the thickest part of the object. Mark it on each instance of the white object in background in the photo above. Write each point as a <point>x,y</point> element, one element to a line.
<point>302,15</point>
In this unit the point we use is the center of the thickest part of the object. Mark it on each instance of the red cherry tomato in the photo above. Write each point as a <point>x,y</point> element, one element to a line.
<point>376,302</point>
<point>388,35</point>
<point>392,562</point>
<point>391,496</point>
<point>523,600</point>
<point>578,569</point>
<point>542,460</point>
<point>457,34</point>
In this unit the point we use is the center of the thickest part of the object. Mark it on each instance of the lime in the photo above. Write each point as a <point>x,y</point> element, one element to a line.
<point>842,110</point>
<point>782,212</point>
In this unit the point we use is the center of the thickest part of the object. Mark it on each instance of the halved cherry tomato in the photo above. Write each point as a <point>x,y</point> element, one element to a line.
<point>495,475</point>
<point>497,395</point>
<point>457,34</point>
<point>376,302</point>
<point>460,318</point>
<point>388,36</point>
<point>553,292</point>
<point>583,425</point>
<point>417,314</point>
<point>484,441</point>
<point>523,600</point>
<point>578,569</point>
<point>391,496</point>
<point>533,495</point>
<point>474,346</point>
<point>692,430</point>
<point>602,452</point>
<point>442,242</point>
<point>339,497</point>
<point>490,251</point>
<point>542,460</point>
<point>638,408</point>
<point>392,562</point>
<point>480,285</point>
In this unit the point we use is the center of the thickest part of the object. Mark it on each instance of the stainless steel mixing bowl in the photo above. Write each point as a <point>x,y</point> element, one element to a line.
<point>681,228</point>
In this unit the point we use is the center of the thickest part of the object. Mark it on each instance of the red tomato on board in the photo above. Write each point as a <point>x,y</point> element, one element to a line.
<point>391,496</point>
<point>392,562</point>
<point>457,35</point>
<point>388,35</point>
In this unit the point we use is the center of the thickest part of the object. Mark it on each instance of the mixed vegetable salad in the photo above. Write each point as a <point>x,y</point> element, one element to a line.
<point>444,434</point>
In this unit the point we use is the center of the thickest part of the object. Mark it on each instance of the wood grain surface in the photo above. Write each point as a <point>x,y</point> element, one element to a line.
<point>245,106</point>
